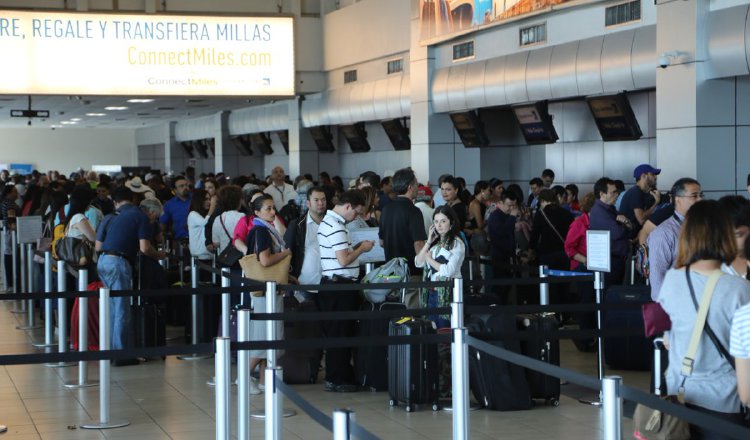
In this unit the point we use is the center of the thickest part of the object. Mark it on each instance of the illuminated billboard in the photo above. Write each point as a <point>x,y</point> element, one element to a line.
<point>442,18</point>
<point>106,54</point>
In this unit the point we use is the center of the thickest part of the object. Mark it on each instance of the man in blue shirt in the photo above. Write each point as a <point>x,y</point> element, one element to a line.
<point>177,208</point>
<point>118,240</point>
<point>634,202</point>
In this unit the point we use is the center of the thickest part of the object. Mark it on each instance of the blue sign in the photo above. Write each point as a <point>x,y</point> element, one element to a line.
<point>21,168</point>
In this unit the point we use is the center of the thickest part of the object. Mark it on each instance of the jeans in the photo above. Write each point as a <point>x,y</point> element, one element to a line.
<point>117,274</point>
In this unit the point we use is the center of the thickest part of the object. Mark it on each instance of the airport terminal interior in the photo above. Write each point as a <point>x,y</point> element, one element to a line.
<point>479,89</point>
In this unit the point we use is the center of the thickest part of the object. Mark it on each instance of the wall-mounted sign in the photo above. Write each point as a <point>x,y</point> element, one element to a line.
<point>21,168</point>
<point>138,55</point>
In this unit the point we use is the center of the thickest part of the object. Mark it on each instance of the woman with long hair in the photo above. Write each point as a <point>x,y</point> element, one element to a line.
<point>478,205</point>
<point>706,241</point>
<point>76,223</point>
<point>548,232</point>
<point>201,210</point>
<point>451,192</point>
<point>441,257</point>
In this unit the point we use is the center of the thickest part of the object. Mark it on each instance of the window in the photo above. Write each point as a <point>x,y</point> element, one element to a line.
<point>395,66</point>
<point>622,13</point>
<point>463,50</point>
<point>532,34</point>
<point>350,76</point>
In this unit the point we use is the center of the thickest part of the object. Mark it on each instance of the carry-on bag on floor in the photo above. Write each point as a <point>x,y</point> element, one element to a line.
<point>413,368</point>
<point>149,320</point>
<point>497,384</point>
<point>626,352</point>
<point>93,320</point>
<point>371,362</point>
<point>547,350</point>
<point>301,365</point>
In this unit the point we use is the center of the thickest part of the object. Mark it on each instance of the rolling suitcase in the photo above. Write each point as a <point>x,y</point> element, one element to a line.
<point>547,350</point>
<point>626,352</point>
<point>371,362</point>
<point>413,368</point>
<point>149,320</point>
<point>93,320</point>
<point>300,365</point>
<point>497,384</point>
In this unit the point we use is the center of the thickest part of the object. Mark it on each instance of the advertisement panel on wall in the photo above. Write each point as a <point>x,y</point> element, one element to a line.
<point>442,18</point>
<point>147,55</point>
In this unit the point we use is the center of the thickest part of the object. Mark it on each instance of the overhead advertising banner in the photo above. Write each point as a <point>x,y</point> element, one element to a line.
<point>145,55</point>
<point>442,18</point>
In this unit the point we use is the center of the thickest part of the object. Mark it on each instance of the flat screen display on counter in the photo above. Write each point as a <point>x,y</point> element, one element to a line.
<point>145,55</point>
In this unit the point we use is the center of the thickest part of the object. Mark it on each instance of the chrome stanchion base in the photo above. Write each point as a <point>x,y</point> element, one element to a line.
<point>212,382</point>
<point>593,401</point>
<point>29,327</point>
<point>74,385</point>
<point>447,406</point>
<point>61,364</point>
<point>195,357</point>
<point>108,425</point>
<point>3,428</point>
<point>18,310</point>
<point>261,414</point>
<point>43,345</point>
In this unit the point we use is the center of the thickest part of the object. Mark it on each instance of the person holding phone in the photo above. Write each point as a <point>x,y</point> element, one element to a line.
<point>441,257</point>
<point>642,199</point>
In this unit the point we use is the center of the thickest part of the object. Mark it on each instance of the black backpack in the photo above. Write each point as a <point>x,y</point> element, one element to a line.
<point>290,212</point>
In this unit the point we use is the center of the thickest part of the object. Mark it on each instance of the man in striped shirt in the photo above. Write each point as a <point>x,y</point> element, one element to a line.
<point>340,265</point>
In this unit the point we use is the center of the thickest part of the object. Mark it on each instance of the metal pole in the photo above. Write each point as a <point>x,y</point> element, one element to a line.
<point>104,377</point>
<point>612,406</point>
<point>543,287</point>
<point>83,332</point>
<point>457,312</point>
<point>14,259</point>
<point>225,299</point>
<point>369,267</point>
<point>213,264</point>
<point>243,376</point>
<point>658,343</point>
<point>49,330</point>
<point>22,267</point>
<point>27,278</point>
<point>3,247</point>
<point>271,324</point>
<point>341,423</point>
<point>62,316</point>
<point>274,410</point>
<point>223,403</point>
<point>194,314</point>
<point>598,287</point>
<point>460,384</point>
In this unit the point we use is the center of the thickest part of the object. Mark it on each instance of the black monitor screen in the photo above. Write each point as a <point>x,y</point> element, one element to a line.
<point>398,133</point>
<point>323,138</point>
<point>470,129</point>
<point>356,135</point>
<point>187,147</point>
<point>614,118</point>
<point>284,138</point>
<point>243,145</point>
<point>536,123</point>
<point>262,142</point>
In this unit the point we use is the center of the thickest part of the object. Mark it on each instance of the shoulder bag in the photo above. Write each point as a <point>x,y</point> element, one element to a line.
<point>77,252</point>
<point>651,424</point>
<point>255,271</point>
<point>229,256</point>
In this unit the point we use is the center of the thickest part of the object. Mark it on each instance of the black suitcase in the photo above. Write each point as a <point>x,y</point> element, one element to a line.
<point>495,383</point>
<point>626,352</point>
<point>371,362</point>
<point>541,386</point>
<point>150,325</point>
<point>413,368</point>
<point>302,365</point>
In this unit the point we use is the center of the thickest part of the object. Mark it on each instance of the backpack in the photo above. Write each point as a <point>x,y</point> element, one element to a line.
<point>394,271</point>
<point>290,212</point>
<point>641,260</point>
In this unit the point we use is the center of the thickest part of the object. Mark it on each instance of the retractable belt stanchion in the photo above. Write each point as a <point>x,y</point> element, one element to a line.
<point>243,376</point>
<point>3,247</point>
<point>598,287</point>
<point>460,365</point>
<point>18,284</point>
<point>49,331</point>
<point>83,332</point>
<point>225,300</point>
<point>14,260</point>
<point>271,393</point>
<point>612,406</point>
<point>194,314</point>
<point>62,317</point>
<point>29,274</point>
<point>223,393</point>
<point>543,287</point>
<point>274,408</point>
<point>104,400</point>
<point>342,419</point>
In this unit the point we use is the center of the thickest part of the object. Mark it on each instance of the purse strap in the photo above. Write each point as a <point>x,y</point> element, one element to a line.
<point>689,360</point>
<point>221,220</point>
<point>551,225</point>
<point>709,331</point>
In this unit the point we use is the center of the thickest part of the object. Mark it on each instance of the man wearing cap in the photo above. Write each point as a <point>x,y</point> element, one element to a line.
<point>424,203</point>
<point>635,200</point>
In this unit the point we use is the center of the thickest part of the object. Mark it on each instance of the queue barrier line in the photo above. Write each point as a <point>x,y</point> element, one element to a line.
<point>652,401</point>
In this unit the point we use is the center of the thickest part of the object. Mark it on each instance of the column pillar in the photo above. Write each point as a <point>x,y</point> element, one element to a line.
<point>169,144</point>
<point>224,160</point>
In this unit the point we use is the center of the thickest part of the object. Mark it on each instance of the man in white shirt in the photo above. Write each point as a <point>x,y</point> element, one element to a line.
<point>424,203</point>
<point>281,191</point>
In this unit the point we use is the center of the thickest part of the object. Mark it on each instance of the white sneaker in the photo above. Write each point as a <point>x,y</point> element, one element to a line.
<point>254,387</point>
<point>261,387</point>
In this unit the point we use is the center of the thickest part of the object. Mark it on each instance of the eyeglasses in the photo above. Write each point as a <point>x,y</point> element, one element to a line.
<point>693,195</point>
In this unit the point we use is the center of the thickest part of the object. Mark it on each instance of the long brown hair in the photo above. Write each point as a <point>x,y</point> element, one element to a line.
<point>707,234</point>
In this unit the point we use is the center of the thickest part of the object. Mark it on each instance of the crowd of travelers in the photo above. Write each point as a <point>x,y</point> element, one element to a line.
<point>680,239</point>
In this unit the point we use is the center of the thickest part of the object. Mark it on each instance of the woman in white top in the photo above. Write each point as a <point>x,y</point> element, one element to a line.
<point>77,225</point>
<point>201,209</point>
<point>441,257</point>
<point>222,231</point>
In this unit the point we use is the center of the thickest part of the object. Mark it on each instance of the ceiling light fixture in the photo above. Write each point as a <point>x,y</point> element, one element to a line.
<point>96,114</point>
<point>68,122</point>
<point>115,108</point>
<point>140,101</point>
<point>75,119</point>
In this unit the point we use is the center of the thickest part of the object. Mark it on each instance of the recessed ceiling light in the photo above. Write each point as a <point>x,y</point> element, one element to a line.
<point>140,101</point>
<point>115,108</point>
<point>96,114</point>
<point>68,122</point>
<point>75,119</point>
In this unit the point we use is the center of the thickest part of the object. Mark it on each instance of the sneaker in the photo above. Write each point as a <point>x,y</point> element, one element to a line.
<point>254,388</point>
<point>261,387</point>
<point>340,388</point>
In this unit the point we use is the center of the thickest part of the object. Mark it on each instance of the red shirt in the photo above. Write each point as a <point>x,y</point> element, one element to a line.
<point>575,241</point>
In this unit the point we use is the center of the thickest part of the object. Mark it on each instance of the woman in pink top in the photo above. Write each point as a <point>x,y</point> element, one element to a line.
<point>575,241</point>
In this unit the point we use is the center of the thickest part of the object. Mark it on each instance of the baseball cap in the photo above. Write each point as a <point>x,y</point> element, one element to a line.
<point>643,169</point>
<point>424,194</point>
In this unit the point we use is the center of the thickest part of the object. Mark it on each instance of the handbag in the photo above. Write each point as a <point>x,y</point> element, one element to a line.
<point>77,252</point>
<point>655,319</point>
<point>651,424</point>
<point>43,244</point>
<point>394,271</point>
<point>255,271</point>
<point>229,256</point>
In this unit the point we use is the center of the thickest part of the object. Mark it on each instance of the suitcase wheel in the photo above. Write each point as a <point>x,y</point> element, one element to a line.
<point>554,402</point>
<point>409,408</point>
<point>435,407</point>
<point>392,403</point>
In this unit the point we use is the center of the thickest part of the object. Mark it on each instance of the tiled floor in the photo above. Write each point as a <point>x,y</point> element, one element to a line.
<point>170,400</point>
